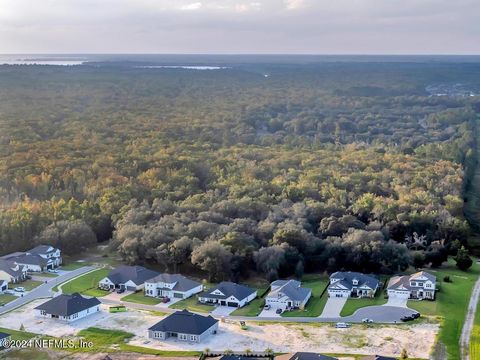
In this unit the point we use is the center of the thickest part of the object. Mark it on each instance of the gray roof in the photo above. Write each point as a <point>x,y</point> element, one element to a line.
<point>347,277</point>
<point>289,288</point>
<point>66,305</point>
<point>181,282</point>
<point>9,265</point>
<point>429,276</point>
<point>185,322</point>
<point>229,289</point>
<point>397,282</point>
<point>4,335</point>
<point>137,274</point>
<point>42,249</point>
<point>310,356</point>
<point>30,260</point>
<point>7,256</point>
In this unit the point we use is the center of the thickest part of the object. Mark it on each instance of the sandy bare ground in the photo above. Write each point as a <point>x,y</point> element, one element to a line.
<point>387,340</point>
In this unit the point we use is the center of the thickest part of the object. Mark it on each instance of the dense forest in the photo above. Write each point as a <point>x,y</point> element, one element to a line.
<point>277,169</point>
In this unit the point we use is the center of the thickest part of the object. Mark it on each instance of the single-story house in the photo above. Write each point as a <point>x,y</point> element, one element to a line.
<point>288,294</point>
<point>352,284</point>
<point>12,272</point>
<point>228,294</point>
<point>131,278</point>
<point>68,307</point>
<point>421,285</point>
<point>185,326</point>
<point>4,337</point>
<point>172,286</point>
<point>304,356</point>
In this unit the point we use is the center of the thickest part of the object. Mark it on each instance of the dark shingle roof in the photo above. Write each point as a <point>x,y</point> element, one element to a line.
<point>347,278</point>
<point>181,282</point>
<point>30,260</point>
<point>289,288</point>
<point>185,322</point>
<point>310,356</point>
<point>228,289</point>
<point>8,266</point>
<point>4,335</point>
<point>66,305</point>
<point>137,274</point>
<point>42,249</point>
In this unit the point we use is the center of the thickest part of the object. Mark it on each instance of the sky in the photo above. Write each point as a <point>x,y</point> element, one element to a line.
<point>240,26</point>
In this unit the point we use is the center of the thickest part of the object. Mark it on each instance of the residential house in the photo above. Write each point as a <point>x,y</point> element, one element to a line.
<point>185,326</point>
<point>287,295</point>
<point>4,337</point>
<point>40,258</point>
<point>131,278</point>
<point>68,307</point>
<point>48,252</point>
<point>420,285</point>
<point>3,286</point>
<point>304,356</point>
<point>173,286</point>
<point>352,284</point>
<point>12,272</point>
<point>228,294</point>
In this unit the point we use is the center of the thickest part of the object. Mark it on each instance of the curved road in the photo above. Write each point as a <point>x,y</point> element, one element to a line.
<point>44,290</point>
<point>468,325</point>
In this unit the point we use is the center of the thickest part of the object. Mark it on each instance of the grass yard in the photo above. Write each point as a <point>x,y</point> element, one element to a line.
<point>6,298</point>
<point>18,335</point>
<point>47,275</point>
<point>255,307</point>
<point>27,284</point>
<point>192,304</point>
<point>140,298</point>
<point>475,339</point>
<point>316,303</point>
<point>353,305</point>
<point>74,266</point>
<point>451,304</point>
<point>86,284</point>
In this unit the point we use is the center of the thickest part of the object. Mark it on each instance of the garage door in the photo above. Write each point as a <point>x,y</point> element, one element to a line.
<point>131,288</point>
<point>232,304</point>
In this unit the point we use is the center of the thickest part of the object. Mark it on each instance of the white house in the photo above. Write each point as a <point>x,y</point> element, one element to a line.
<point>49,253</point>
<point>131,278</point>
<point>3,286</point>
<point>12,272</point>
<point>421,285</point>
<point>287,295</point>
<point>172,286</point>
<point>68,307</point>
<point>228,294</point>
<point>352,284</point>
<point>40,258</point>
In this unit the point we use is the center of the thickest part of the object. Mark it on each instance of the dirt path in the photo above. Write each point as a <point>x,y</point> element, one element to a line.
<point>469,319</point>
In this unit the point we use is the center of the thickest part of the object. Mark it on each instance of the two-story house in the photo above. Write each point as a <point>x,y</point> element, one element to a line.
<point>173,286</point>
<point>49,253</point>
<point>421,285</point>
<point>352,284</point>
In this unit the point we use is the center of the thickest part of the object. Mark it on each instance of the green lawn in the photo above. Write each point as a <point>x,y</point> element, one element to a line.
<point>475,339</point>
<point>86,284</point>
<point>316,303</point>
<point>353,305</point>
<point>140,298</point>
<point>47,274</point>
<point>450,305</point>
<point>74,266</point>
<point>255,307</point>
<point>192,304</point>
<point>27,284</point>
<point>18,335</point>
<point>6,298</point>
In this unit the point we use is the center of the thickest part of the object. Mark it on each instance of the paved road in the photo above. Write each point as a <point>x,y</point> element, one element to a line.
<point>380,314</point>
<point>468,324</point>
<point>44,290</point>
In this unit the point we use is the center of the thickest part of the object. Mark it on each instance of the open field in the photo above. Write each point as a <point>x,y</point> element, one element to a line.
<point>86,284</point>
<point>192,304</point>
<point>6,298</point>
<point>353,305</point>
<point>316,303</point>
<point>451,303</point>
<point>140,298</point>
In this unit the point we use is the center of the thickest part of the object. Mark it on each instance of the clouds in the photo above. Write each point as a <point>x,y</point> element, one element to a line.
<point>240,26</point>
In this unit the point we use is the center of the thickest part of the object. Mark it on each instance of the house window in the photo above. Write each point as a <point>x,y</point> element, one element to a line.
<point>193,338</point>
<point>43,312</point>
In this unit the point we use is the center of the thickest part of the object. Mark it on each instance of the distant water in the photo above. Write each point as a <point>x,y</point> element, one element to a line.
<point>41,60</point>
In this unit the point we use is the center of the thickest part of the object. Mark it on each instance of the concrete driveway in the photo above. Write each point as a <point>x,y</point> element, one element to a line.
<point>223,310</point>
<point>396,301</point>
<point>270,313</point>
<point>117,297</point>
<point>333,307</point>
<point>166,305</point>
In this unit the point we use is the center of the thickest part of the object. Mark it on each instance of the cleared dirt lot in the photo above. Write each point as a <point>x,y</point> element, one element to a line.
<point>360,339</point>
